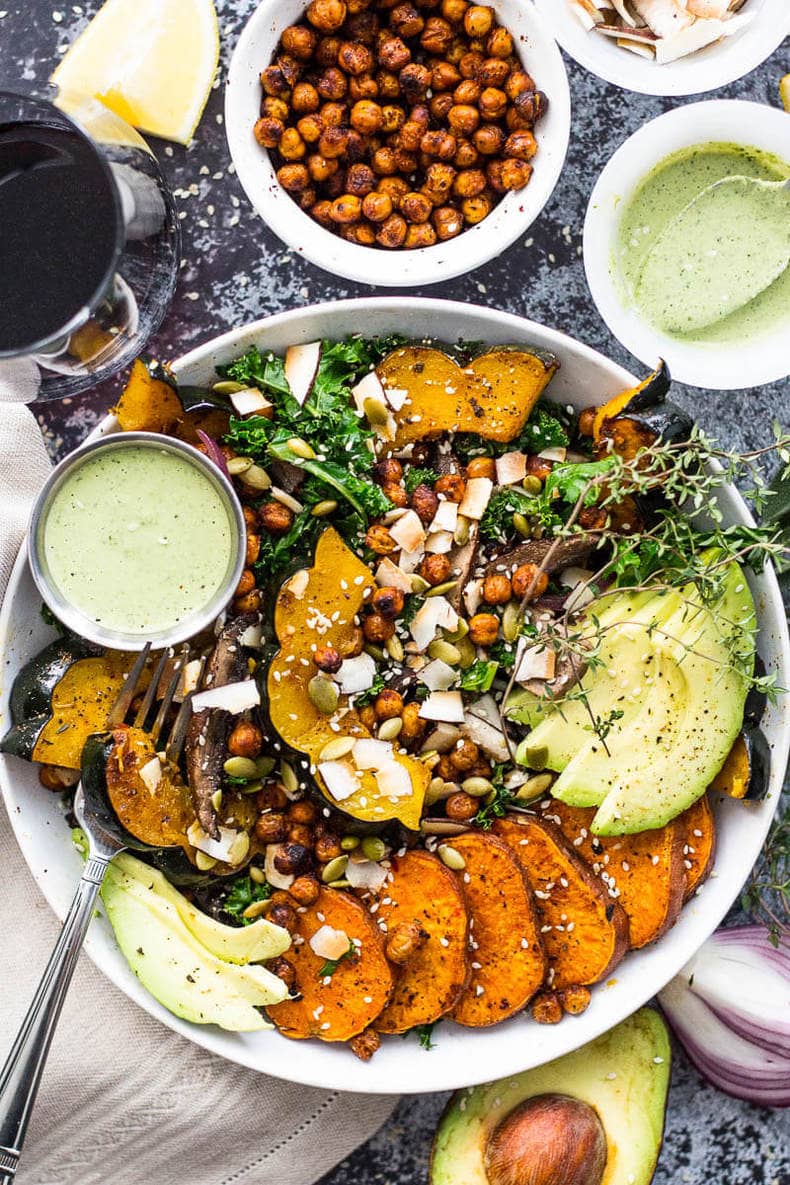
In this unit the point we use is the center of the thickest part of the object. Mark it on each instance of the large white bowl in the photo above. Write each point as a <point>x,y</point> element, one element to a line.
<point>368,265</point>
<point>712,67</point>
<point>715,365</point>
<point>461,1056</point>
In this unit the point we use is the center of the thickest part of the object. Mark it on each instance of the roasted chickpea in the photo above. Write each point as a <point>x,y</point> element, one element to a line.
<point>365,1044</point>
<point>252,548</point>
<point>463,119</point>
<point>405,162</point>
<point>393,54</point>
<point>307,199</point>
<point>499,43</point>
<point>438,144</point>
<point>321,169</point>
<point>271,798</point>
<point>327,50</point>
<point>420,234</point>
<point>355,58</point>
<point>392,119</point>
<point>379,540</point>
<point>360,180</point>
<point>519,83</point>
<point>377,207</point>
<point>299,41</point>
<point>587,421</point>
<point>388,601</point>
<point>389,87</point>
<point>461,807</point>
<point>395,188</point>
<point>347,209</point>
<point>489,139</point>
<point>384,162</point>
<point>435,569</point>
<point>492,103</point>
<point>414,81</point>
<point>575,999</point>
<point>494,175</point>
<point>271,828</point>
<point>481,467</point>
<point>476,209</point>
<point>275,517</point>
<point>437,36</point>
<point>403,942</point>
<point>440,105</point>
<point>469,183</point>
<point>332,142</point>
<point>424,502</point>
<point>274,81</point>
<point>294,178</point>
<point>497,589</point>
<point>391,232</point>
<point>283,915</point>
<point>452,486</point>
<point>284,970</point>
<point>444,76</point>
<point>366,116</point>
<point>454,11</point>
<point>411,135</point>
<point>546,1008</point>
<point>388,704</point>
<point>467,91</point>
<point>327,847</point>
<point>483,628</point>
<point>269,132</point>
<point>470,64</point>
<point>388,470</point>
<point>57,778</point>
<point>333,115</point>
<point>310,128</point>
<point>327,658</point>
<point>250,603</point>
<point>275,109</point>
<point>413,724</point>
<point>246,583</point>
<point>493,72</point>
<point>532,106</point>
<point>291,68</point>
<point>377,628</point>
<point>362,86</point>
<point>515,174</point>
<point>304,891</point>
<point>438,180</point>
<point>250,518</point>
<point>305,98</point>
<point>326,15</point>
<point>467,155</point>
<point>593,518</point>
<point>303,811</point>
<point>292,146</point>
<point>351,645</point>
<point>447,222</point>
<point>332,84</point>
<point>406,21</point>
<point>478,21</point>
<point>301,834</point>
<point>416,207</point>
<point>521,145</point>
<point>464,756</point>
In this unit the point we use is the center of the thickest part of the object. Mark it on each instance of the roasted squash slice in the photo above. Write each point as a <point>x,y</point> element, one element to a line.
<point>699,849</point>
<point>318,605</point>
<point>508,961</point>
<point>584,929</point>
<point>746,769</point>
<point>149,401</point>
<point>491,396</point>
<point>424,892</point>
<point>158,811</point>
<point>635,419</point>
<point>652,391</point>
<point>645,870</point>
<point>338,1005</point>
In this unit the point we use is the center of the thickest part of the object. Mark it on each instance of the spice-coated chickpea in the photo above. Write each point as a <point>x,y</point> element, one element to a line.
<point>333,115</point>
<point>320,168</point>
<point>327,847</point>
<point>419,235</point>
<point>275,108</point>
<point>303,811</point>
<point>360,180</point>
<point>461,807</point>
<point>489,139</point>
<point>351,644</point>
<point>389,87</point>
<point>444,76</point>
<point>292,146</point>
<point>378,537</point>
<point>413,724</point>
<point>469,183</point>
<point>447,223</point>
<point>481,467</point>
<point>394,187</point>
<point>326,15</point>
<point>439,144</point>
<point>299,41</point>
<point>245,740</point>
<point>493,103</point>
<point>463,119</point>
<point>586,423</point>
<point>294,178</point>
<point>435,569</point>
<point>274,81</point>
<point>396,493</point>
<point>403,942</point>
<point>519,83</point>
<point>494,175</point>
<point>464,756</point>
<point>444,770</point>
<point>362,26</point>
<point>269,132</point>
<point>497,589</point>
<point>377,628</point>
<point>493,72</point>
<point>271,798</point>
<point>388,469</point>
<point>300,834</point>
<point>476,209</point>
<point>384,163</point>
<point>414,81</point>
<point>470,64</point>
<point>388,601</point>
<point>367,717</point>
<point>377,207</point>
<point>593,518</point>
<point>454,11</point>
<point>575,999</point>
<point>327,50</point>
<point>546,1008</point>
<point>271,828</point>
<point>392,118</point>
<point>483,628</point>
<point>439,179</point>
<point>466,156</point>
<point>416,207</point>
<point>355,58</point>
<point>291,68</point>
<point>357,147</point>
<point>305,99</point>
<point>304,891</point>
<point>393,54</point>
<point>499,43</point>
<point>521,145</point>
<point>362,86</point>
<point>405,162</point>
<point>346,209</point>
<point>336,185</point>
<point>310,128</point>
<point>528,577</point>
<point>246,583</point>
<point>327,658</point>
<point>251,518</point>
<point>388,704</point>
<point>467,91</point>
<point>478,21</point>
<point>436,36</point>
<point>410,135</point>
<point>515,173</point>
<point>275,517</point>
<point>440,105</point>
<point>406,20</point>
<point>332,84</point>
<point>250,603</point>
<point>452,486</point>
<point>332,143</point>
<point>252,548</point>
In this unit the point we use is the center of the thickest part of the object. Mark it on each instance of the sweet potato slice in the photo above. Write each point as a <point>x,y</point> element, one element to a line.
<point>645,871</point>
<point>423,891</point>
<point>338,1006</point>
<point>699,848</point>
<point>584,930</point>
<point>508,961</point>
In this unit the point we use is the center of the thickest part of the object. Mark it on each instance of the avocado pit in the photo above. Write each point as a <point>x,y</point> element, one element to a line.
<point>551,1139</point>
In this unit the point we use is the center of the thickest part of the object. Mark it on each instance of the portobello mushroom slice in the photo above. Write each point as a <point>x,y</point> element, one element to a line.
<point>208,731</point>
<point>286,476</point>
<point>463,560</point>
<point>570,553</point>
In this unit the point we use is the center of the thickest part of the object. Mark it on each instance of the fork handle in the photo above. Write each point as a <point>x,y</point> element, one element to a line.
<point>21,1074</point>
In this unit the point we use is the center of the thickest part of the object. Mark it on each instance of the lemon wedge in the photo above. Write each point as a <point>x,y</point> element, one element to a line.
<point>784,91</point>
<point>150,61</point>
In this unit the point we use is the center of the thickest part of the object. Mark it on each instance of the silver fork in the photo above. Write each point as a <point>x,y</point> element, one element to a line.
<point>21,1074</point>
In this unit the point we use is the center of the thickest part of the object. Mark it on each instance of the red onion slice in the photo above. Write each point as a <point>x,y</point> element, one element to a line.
<point>213,451</point>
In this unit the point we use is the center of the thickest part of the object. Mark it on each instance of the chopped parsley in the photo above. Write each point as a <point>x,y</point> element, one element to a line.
<point>501,800</point>
<point>367,697</point>
<point>244,891</point>
<point>503,653</point>
<point>419,477</point>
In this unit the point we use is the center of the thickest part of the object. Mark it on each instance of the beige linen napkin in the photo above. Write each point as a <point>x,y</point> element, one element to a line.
<point>124,1101</point>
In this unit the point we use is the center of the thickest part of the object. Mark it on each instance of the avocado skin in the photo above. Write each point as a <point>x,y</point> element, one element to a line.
<point>631,1105</point>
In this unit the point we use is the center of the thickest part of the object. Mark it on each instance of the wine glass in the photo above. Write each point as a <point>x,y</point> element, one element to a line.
<point>89,245</point>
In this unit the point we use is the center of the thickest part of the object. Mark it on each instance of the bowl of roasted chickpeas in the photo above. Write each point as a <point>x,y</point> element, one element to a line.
<point>397,143</point>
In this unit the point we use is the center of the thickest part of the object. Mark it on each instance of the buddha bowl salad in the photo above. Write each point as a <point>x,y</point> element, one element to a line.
<point>479,683</point>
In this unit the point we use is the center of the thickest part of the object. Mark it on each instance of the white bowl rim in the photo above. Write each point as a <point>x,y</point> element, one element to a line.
<point>717,366</point>
<point>511,218</point>
<point>709,69</point>
<point>468,1063</point>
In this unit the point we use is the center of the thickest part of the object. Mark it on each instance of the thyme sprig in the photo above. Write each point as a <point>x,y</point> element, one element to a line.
<point>767,893</point>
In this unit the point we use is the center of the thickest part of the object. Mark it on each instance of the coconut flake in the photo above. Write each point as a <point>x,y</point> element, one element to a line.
<point>339,778</point>
<point>440,542</point>
<point>536,662</point>
<point>476,497</point>
<point>438,675</point>
<point>301,367</point>
<point>389,575</point>
<point>366,874</point>
<point>443,705</point>
<point>151,774</point>
<point>368,387</point>
<point>232,697</point>
<point>473,596</point>
<point>329,943</point>
<point>443,738</point>
<point>408,532</point>
<point>434,614</point>
<point>393,780</point>
<point>356,674</point>
<point>218,849</point>
<point>249,402</point>
<point>554,453</point>
<point>446,518</point>
<point>370,753</point>
<point>511,468</point>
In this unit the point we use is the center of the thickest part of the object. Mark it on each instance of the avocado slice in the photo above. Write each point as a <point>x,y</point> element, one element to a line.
<point>623,1075</point>
<point>234,944</point>
<point>176,968</point>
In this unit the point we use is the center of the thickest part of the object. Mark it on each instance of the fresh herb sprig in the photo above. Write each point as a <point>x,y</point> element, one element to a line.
<point>244,892</point>
<point>331,965</point>
<point>767,893</point>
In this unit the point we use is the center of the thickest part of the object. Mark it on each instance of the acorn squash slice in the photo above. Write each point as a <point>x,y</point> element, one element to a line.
<point>318,605</point>
<point>149,401</point>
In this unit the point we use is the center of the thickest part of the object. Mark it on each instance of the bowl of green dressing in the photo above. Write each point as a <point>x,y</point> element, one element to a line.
<point>686,257</point>
<point>137,538</point>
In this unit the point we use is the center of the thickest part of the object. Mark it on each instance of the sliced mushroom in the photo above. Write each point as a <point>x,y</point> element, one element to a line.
<point>571,552</point>
<point>286,476</point>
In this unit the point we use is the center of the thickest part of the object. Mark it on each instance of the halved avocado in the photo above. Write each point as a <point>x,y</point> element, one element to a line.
<point>622,1077</point>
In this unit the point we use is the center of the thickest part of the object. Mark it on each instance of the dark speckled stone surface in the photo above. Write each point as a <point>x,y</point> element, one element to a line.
<point>233,270</point>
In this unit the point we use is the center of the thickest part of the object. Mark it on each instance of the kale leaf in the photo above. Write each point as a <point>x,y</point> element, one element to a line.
<point>419,477</point>
<point>244,891</point>
<point>479,676</point>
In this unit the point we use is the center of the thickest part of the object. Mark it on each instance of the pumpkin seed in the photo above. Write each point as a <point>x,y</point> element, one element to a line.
<point>477,787</point>
<point>532,484</point>
<point>445,651</point>
<point>336,748</point>
<point>373,848</point>
<point>439,590</point>
<point>437,790</point>
<point>521,525</point>
<point>534,787</point>
<point>461,532</point>
<point>394,648</point>
<point>451,857</point>
<point>216,799</point>
<point>442,827</point>
<point>390,729</point>
<point>301,448</point>
<point>535,756</point>
<point>375,652</point>
<point>257,875</point>
<point>457,634</point>
<point>239,465</point>
<point>239,848</point>
<point>376,411</point>
<point>256,909</point>
<point>205,863</point>
<point>323,694</point>
<point>334,869</point>
<point>251,787</point>
<point>511,621</point>
<point>418,584</point>
<point>288,778</point>
<point>538,531</point>
<point>256,478</point>
<point>228,387</point>
<point>489,798</point>
<point>466,648</point>
<point>241,767</point>
<point>340,884</point>
<point>322,509</point>
<point>349,842</point>
<point>264,766</point>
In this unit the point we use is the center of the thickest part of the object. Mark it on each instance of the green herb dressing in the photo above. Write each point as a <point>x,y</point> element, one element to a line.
<point>674,295</point>
<point>137,539</point>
